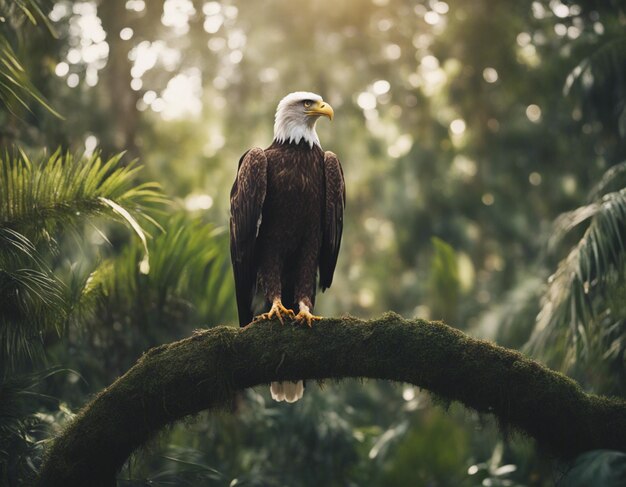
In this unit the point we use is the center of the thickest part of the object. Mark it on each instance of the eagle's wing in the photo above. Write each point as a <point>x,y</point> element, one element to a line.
<point>335,190</point>
<point>246,207</point>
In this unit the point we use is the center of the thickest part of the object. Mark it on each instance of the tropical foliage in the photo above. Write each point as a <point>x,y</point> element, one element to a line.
<point>40,199</point>
<point>17,92</point>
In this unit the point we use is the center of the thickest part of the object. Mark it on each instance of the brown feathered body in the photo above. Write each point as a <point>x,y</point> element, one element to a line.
<point>286,222</point>
<point>290,234</point>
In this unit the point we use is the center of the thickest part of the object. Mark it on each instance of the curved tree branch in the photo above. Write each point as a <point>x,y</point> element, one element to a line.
<point>205,370</point>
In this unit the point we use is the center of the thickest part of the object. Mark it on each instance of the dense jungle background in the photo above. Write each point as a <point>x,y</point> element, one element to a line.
<point>483,145</point>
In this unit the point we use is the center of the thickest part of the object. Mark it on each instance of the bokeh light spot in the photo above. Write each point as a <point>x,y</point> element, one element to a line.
<point>490,75</point>
<point>393,51</point>
<point>195,202</point>
<point>126,33</point>
<point>73,80</point>
<point>457,126</point>
<point>432,18</point>
<point>213,23</point>
<point>533,112</point>
<point>560,10</point>
<point>381,87</point>
<point>441,7</point>
<point>523,39</point>
<point>534,178</point>
<point>136,84</point>
<point>408,393</point>
<point>91,142</point>
<point>211,8</point>
<point>366,101</point>
<point>61,69</point>
<point>135,5</point>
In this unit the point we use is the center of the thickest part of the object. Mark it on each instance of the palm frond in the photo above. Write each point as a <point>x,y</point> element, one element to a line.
<point>567,221</point>
<point>188,272</point>
<point>599,79</point>
<point>612,180</point>
<point>17,93</point>
<point>63,190</point>
<point>33,11</point>
<point>38,202</point>
<point>596,467</point>
<point>31,298</point>
<point>17,11</point>
<point>570,320</point>
<point>31,303</point>
<point>23,423</point>
<point>17,248</point>
<point>16,90</point>
<point>127,306</point>
<point>597,65</point>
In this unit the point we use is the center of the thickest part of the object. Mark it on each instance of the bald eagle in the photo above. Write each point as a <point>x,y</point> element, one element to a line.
<point>286,222</point>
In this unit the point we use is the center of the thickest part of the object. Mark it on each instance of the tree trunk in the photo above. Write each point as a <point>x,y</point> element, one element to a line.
<point>205,370</point>
<point>120,100</point>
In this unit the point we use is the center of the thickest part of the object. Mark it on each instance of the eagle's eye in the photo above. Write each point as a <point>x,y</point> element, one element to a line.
<point>307,103</point>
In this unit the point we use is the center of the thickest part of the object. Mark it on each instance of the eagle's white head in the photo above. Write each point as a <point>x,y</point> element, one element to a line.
<point>296,116</point>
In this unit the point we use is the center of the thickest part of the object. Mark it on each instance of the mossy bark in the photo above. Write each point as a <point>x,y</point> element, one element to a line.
<point>205,370</point>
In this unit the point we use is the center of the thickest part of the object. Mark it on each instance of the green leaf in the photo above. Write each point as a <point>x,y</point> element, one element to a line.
<point>16,89</point>
<point>120,210</point>
<point>64,190</point>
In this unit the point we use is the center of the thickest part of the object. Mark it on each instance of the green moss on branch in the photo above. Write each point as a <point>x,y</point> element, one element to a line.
<point>205,370</point>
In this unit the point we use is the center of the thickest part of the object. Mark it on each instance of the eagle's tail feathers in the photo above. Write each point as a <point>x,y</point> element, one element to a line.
<point>287,391</point>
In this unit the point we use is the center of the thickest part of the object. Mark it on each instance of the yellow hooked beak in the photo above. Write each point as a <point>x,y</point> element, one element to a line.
<point>320,108</point>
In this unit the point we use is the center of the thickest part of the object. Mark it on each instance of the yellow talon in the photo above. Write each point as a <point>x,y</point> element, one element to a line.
<point>306,316</point>
<point>277,311</point>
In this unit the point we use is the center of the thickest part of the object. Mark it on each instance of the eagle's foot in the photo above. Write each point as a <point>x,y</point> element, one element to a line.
<point>305,316</point>
<point>277,311</point>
